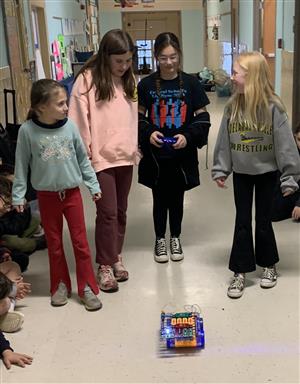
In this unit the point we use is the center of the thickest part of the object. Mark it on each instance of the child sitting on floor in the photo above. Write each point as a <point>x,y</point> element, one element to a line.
<point>6,352</point>
<point>11,320</point>
<point>287,207</point>
<point>18,231</point>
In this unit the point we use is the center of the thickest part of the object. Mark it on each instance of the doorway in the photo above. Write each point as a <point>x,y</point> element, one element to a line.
<point>143,28</point>
<point>265,31</point>
<point>15,32</point>
<point>39,34</point>
<point>222,46</point>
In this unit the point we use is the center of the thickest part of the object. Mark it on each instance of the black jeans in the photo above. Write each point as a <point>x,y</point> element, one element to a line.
<point>243,258</point>
<point>282,207</point>
<point>168,196</point>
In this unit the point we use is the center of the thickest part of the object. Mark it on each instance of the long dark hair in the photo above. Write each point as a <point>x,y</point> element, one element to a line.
<point>114,42</point>
<point>41,92</point>
<point>162,41</point>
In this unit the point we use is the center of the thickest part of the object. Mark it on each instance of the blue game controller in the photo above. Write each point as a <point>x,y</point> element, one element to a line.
<point>169,140</point>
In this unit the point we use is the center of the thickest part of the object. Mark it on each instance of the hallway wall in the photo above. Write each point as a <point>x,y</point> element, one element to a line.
<point>246,24</point>
<point>215,47</point>
<point>192,29</point>
<point>63,9</point>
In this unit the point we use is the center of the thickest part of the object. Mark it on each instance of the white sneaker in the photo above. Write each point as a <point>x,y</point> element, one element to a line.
<point>160,250</point>
<point>11,321</point>
<point>237,285</point>
<point>268,277</point>
<point>176,249</point>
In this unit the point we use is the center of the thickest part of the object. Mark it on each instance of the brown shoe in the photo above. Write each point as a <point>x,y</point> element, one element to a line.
<point>119,270</point>
<point>106,279</point>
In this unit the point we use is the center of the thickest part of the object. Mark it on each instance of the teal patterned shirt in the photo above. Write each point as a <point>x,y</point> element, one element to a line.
<point>57,159</point>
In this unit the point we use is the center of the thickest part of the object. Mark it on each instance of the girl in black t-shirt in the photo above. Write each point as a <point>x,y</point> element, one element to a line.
<point>173,122</point>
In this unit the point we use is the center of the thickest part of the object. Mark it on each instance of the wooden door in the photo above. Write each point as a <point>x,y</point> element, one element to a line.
<point>268,34</point>
<point>235,29</point>
<point>18,55</point>
<point>143,27</point>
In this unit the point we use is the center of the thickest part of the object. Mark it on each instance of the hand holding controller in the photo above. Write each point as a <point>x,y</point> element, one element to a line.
<point>169,140</point>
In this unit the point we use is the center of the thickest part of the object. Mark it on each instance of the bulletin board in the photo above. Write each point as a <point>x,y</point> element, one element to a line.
<point>71,29</point>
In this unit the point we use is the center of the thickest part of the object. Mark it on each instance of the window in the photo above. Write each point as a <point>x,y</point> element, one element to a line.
<point>145,55</point>
<point>227,57</point>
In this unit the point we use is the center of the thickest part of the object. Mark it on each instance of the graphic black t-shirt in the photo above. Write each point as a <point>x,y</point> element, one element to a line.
<point>173,106</point>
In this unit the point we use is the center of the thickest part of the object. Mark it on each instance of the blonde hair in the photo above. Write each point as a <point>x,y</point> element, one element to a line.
<point>254,103</point>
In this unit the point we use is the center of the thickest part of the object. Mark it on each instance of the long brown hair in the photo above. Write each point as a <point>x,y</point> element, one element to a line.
<point>114,42</point>
<point>41,93</point>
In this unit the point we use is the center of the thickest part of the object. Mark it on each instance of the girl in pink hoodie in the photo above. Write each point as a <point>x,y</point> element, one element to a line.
<point>103,103</point>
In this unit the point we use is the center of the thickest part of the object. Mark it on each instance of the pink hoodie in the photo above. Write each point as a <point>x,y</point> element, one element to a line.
<point>108,128</point>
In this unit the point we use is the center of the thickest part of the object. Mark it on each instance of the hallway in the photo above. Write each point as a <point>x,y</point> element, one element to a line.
<point>254,339</point>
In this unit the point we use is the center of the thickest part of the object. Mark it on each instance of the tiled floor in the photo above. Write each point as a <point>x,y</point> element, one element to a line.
<point>251,340</point>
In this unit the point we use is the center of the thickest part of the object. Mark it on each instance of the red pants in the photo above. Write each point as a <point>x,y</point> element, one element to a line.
<point>53,206</point>
<point>111,213</point>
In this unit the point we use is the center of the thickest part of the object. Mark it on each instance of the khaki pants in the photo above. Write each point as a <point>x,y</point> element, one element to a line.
<point>24,243</point>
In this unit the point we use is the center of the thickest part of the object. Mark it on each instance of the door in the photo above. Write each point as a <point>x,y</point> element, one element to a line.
<point>40,38</point>
<point>143,28</point>
<point>17,55</point>
<point>268,18</point>
<point>267,28</point>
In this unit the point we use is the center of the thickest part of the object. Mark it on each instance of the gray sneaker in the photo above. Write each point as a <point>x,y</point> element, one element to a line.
<point>236,287</point>
<point>176,249</point>
<point>269,277</point>
<point>60,297</point>
<point>90,300</point>
<point>160,250</point>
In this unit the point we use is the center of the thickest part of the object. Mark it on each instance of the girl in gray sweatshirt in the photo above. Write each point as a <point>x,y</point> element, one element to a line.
<point>254,142</point>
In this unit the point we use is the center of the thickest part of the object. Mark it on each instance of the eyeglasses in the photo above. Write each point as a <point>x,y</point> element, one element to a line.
<point>165,59</point>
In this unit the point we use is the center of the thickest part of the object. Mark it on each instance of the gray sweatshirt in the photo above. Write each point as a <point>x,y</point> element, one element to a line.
<point>241,149</point>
